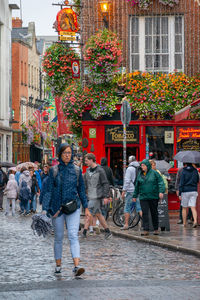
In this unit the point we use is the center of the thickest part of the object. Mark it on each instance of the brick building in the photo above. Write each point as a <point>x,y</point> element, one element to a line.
<point>156,39</point>
<point>159,38</point>
<point>25,83</point>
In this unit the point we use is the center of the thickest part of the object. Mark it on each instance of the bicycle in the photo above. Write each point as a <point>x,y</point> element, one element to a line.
<point>118,214</point>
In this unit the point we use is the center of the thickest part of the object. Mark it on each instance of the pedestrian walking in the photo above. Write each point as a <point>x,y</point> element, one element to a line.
<point>150,188</point>
<point>45,172</point>
<point>97,188</point>
<point>177,183</point>
<point>3,181</point>
<point>128,189</point>
<point>11,194</point>
<point>24,176</point>
<point>34,191</point>
<point>65,187</point>
<point>24,197</point>
<point>188,192</point>
<point>108,170</point>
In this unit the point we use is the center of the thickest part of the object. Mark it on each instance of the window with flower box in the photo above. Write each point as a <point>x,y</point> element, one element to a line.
<point>156,44</point>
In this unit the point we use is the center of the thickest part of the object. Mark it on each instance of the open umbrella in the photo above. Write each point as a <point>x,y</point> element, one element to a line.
<point>12,169</point>
<point>26,165</point>
<point>7,164</point>
<point>188,156</point>
<point>162,165</point>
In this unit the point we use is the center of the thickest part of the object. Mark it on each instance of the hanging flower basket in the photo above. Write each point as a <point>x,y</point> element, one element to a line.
<point>57,66</point>
<point>103,54</point>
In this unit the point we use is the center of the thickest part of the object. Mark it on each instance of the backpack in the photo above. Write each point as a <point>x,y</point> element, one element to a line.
<point>1,178</point>
<point>77,169</point>
<point>137,171</point>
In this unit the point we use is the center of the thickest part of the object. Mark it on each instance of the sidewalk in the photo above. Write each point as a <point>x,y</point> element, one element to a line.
<point>179,238</point>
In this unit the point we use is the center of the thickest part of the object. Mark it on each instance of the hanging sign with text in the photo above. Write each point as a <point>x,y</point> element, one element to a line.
<point>188,138</point>
<point>114,134</point>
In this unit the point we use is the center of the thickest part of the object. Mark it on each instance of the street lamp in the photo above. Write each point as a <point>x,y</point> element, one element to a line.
<point>104,10</point>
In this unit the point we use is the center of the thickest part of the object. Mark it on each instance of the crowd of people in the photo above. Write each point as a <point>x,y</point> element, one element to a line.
<point>63,191</point>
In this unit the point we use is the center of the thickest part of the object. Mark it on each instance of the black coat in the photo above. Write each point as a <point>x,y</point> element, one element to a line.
<point>108,170</point>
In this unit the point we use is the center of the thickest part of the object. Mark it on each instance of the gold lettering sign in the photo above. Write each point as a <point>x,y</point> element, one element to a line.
<point>114,134</point>
<point>187,133</point>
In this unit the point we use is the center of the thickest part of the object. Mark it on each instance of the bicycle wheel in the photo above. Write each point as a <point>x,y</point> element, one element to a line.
<point>118,216</point>
<point>134,219</point>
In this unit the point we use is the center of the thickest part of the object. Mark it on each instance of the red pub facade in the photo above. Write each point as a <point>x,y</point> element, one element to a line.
<point>171,44</point>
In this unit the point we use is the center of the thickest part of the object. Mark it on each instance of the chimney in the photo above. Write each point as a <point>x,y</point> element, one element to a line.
<point>16,22</point>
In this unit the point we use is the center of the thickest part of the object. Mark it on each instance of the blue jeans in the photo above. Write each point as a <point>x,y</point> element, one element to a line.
<point>129,202</point>
<point>33,205</point>
<point>72,225</point>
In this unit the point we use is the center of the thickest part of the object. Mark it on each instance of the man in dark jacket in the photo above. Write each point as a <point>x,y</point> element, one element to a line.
<point>150,188</point>
<point>188,191</point>
<point>108,170</point>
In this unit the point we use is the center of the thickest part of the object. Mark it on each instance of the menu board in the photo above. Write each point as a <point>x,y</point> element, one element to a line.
<point>188,138</point>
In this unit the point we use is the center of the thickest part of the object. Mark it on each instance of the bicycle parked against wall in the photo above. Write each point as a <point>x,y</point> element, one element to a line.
<point>118,210</point>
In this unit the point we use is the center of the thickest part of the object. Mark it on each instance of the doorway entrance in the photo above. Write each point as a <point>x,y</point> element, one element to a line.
<point>115,157</point>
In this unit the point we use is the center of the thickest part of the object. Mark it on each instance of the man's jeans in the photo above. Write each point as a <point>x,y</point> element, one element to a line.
<point>72,225</point>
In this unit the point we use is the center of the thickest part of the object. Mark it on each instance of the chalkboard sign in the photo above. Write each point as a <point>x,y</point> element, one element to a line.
<point>163,215</point>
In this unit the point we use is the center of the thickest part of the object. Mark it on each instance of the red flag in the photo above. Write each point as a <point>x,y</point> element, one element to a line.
<point>63,123</point>
<point>37,116</point>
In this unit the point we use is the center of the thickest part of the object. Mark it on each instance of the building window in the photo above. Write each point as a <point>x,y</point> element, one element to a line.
<point>8,147</point>
<point>23,112</point>
<point>22,73</point>
<point>160,143</point>
<point>156,44</point>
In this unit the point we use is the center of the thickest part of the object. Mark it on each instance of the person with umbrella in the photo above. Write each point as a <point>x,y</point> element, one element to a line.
<point>188,191</point>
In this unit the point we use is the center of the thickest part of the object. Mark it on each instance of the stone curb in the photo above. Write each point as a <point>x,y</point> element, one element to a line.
<point>153,242</point>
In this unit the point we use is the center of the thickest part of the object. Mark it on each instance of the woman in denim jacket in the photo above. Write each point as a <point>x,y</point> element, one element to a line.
<point>63,186</point>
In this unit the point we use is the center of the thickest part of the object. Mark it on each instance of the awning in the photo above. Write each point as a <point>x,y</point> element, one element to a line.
<point>184,112</point>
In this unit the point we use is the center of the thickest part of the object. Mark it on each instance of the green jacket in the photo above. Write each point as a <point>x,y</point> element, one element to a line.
<point>150,185</point>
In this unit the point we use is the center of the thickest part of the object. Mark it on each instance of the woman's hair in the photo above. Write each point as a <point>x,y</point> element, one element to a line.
<point>62,149</point>
<point>152,162</point>
<point>23,169</point>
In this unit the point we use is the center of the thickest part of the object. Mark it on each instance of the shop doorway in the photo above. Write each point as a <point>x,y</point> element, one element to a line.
<point>116,160</point>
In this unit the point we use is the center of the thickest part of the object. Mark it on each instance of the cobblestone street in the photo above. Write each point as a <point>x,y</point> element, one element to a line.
<point>26,257</point>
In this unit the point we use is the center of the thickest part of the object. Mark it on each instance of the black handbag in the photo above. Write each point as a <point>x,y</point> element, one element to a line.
<point>69,207</point>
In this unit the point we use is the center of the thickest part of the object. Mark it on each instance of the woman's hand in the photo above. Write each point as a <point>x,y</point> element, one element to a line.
<point>134,199</point>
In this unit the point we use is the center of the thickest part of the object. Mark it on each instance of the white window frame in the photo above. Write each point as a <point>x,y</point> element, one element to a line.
<point>23,111</point>
<point>171,41</point>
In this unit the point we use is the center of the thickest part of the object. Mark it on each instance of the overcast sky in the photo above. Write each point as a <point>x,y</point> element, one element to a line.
<point>42,12</point>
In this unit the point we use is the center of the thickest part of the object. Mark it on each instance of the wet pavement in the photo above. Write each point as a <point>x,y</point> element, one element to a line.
<point>184,239</point>
<point>27,265</point>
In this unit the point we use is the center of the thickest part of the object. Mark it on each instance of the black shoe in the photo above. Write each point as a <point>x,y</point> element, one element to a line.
<point>84,233</point>
<point>180,222</point>
<point>57,270</point>
<point>78,271</point>
<point>108,235</point>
